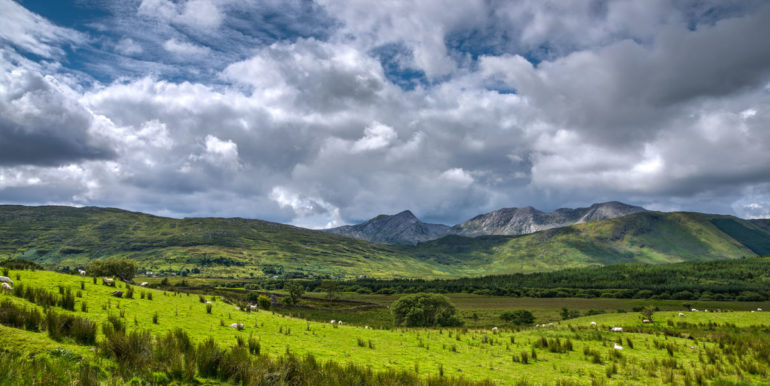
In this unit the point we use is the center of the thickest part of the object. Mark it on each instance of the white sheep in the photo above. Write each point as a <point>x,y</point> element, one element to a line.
<point>7,287</point>
<point>682,314</point>
<point>331,321</point>
<point>237,326</point>
<point>618,347</point>
<point>646,321</point>
<point>6,279</point>
<point>144,284</point>
<point>617,329</point>
<point>593,324</point>
<point>550,324</point>
<point>339,323</point>
<point>253,307</point>
<point>82,272</point>
<point>366,327</point>
<point>759,309</point>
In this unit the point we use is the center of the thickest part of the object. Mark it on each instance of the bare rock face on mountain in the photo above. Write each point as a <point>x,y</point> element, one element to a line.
<point>519,221</point>
<point>402,228</point>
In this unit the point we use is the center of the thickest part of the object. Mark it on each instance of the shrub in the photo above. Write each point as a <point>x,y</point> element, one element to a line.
<point>208,357</point>
<point>424,310</point>
<point>208,308</point>
<point>518,317</point>
<point>122,268</point>
<point>296,290</point>
<point>59,326</point>
<point>254,346</point>
<point>264,302</point>
<point>15,316</point>
<point>155,318</point>
<point>149,295</point>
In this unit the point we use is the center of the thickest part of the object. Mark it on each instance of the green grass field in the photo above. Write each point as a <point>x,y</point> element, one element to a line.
<point>658,356</point>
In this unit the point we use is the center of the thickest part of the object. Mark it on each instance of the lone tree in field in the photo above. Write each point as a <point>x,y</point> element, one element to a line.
<point>296,290</point>
<point>331,287</point>
<point>647,312</point>
<point>124,269</point>
<point>518,317</point>
<point>424,310</point>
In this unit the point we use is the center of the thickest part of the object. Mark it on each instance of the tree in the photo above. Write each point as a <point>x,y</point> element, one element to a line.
<point>264,302</point>
<point>424,310</point>
<point>125,269</point>
<point>518,317</point>
<point>331,287</point>
<point>296,290</point>
<point>647,312</point>
<point>569,314</point>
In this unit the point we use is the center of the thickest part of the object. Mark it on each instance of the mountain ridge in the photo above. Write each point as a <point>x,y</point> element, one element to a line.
<point>408,229</point>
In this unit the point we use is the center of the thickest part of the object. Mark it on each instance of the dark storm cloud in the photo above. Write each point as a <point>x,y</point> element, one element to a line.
<point>39,125</point>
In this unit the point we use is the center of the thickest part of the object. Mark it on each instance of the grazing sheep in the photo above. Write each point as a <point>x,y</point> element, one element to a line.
<point>618,347</point>
<point>253,307</point>
<point>494,329</point>
<point>82,272</point>
<point>331,322</point>
<point>144,284</point>
<point>237,326</point>
<point>339,323</point>
<point>759,309</point>
<point>208,302</point>
<point>645,321</point>
<point>694,310</point>
<point>366,327</point>
<point>593,324</point>
<point>117,294</point>
<point>617,329</point>
<point>682,314</point>
<point>107,280</point>
<point>5,279</point>
<point>7,287</point>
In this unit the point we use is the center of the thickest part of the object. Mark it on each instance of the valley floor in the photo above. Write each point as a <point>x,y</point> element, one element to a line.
<point>732,346</point>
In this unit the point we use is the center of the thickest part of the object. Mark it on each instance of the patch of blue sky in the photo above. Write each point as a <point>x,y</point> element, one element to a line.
<point>395,59</point>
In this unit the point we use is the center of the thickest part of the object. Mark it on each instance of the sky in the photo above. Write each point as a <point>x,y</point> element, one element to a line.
<point>329,112</point>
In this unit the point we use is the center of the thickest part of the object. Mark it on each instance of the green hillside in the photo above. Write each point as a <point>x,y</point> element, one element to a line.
<point>59,237</point>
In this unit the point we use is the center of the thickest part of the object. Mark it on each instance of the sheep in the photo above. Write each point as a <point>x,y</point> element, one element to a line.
<point>331,321</point>
<point>593,324</point>
<point>645,321</point>
<point>682,314</point>
<point>237,326</point>
<point>759,309</point>
<point>7,287</point>
<point>253,307</point>
<point>617,329</point>
<point>82,272</point>
<point>494,329</point>
<point>550,324</point>
<point>694,310</point>
<point>366,327</point>
<point>107,280</point>
<point>208,302</point>
<point>5,279</point>
<point>618,347</point>
<point>144,284</point>
<point>117,294</point>
<point>339,323</point>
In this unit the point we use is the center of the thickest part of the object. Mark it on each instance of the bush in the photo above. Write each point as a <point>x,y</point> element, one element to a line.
<point>518,317</point>
<point>15,316</point>
<point>264,302</point>
<point>122,268</point>
<point>296,290</point>
<point>59,326</point>
<point>424,310</point>
<point>208,308</point>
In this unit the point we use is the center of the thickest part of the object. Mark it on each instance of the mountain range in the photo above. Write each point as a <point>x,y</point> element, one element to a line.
<point>63,237</point>
<point>405,228</point>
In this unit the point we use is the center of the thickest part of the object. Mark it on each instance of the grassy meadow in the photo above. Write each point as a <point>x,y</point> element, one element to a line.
<point>731,346</point>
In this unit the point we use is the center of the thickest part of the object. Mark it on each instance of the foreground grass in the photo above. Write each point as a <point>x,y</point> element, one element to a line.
<point>735,348</point>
